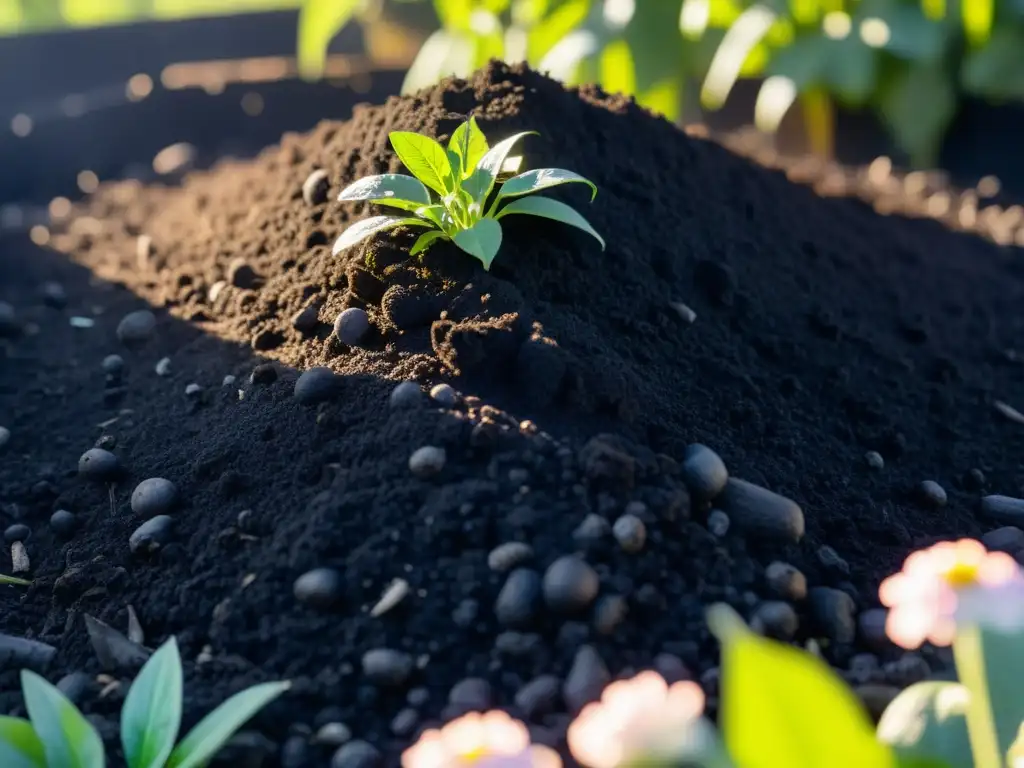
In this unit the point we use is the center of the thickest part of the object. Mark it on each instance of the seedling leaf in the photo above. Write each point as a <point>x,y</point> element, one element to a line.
<point>542,178</point>
<point>481,181</point>
<point>434,214</point>
<point>151,714</point>
<point>20,747</point>
<point>203,741</point>
<point>547,208</point>
<point>386,186</point>
<point>424,241</point>
<point>482,240</point>
<point>425,159</point>
<point>69,740</point>
<point>403,205</point>
<point>469,144</point>
<point>363,229</point>
<point>14,581</point>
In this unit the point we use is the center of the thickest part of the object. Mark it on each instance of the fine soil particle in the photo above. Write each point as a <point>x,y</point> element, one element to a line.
<point>823,331</point>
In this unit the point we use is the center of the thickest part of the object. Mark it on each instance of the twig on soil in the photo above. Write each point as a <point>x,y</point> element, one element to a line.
<point>1009,412</point>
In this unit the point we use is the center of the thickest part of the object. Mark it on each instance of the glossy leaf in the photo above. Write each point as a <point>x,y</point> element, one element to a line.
<point>319,22</point>
<point>481,181</point>
<point>363,229</point>
<point>435,214</point>
<point>20,747</point>
<point>917,103</point>
<point>469,144</point>
<point>481,241</point>
<point>541,178</point>
<point>151,715</point>
<point>784,707</point>
<point>386,185</point>
<point>412,206</point>
<point>425,159</point>
<point>69,740</point>
<point>928,721</point>
<point>211,733</point>
<point>547,208</point>
<point>426,240</point>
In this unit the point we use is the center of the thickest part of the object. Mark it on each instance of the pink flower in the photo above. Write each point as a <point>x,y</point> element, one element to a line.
<point>950,583</point>
<point>489,740</point>
<point>640,716</point>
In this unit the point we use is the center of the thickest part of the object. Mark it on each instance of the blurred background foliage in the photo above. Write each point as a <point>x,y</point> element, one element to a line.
<point>909,62</point>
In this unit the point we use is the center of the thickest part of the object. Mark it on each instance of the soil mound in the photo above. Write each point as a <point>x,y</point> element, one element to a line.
<point>822,331</point>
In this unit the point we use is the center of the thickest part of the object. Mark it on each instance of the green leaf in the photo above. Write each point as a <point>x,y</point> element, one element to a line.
<point>19,745</point>
<point>204,741</point>
<point>538,179</point>
<point>387,185</point>
<point>618,72</point>
<point>481,181</point>
<point>804,61</point>
<point>928,721</point>
<point>481,241</point>
<point>977,18</point>
<point>319,22</point>
<point>69,740</point>
<point>425,240</point>
<point>436,214</point>
<point>454,14</point>
<point>918,102</point>
<point>784,707</point>
<point>363,229</point>
<point>547,208</point>
<point>556,26</point>
<point>912,35</point>
<point>425,159</point>
<point>741,39</point>
<point>851,70</point>
<point>14,581</point>
<point>995,71</point>
<point>469,144</point>
<point>151,714</point>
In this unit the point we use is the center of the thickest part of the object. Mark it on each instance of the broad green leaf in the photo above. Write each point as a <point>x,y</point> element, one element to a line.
<point>741,39</point>
<point>917,103</point>
<point>617,70</point>
<point>912,35</point>
<point>977,19</point>
<point>481,241</point>
<point>538,179</point>
<point>481,181</point>
<point>363,229</point>
<point>928,721</point>
<point>851,70</point>
<point>556,26</point>
<point>995,71</point>
<point>804,62</point>
<point>784,707</point>
<point>69,740</point>
<point>319,22</point>
<point>425,240</point>
<point>14,581</point>
<point>469,144</point>
<point>19,745</point>
<point>210,734</point>
<point>454,14</point>
<point>387,185</point>
<point>402,205</point>
<point>436,214</point>
<point>547,208</point>
<point>425,159</point>
<point>151,714</point>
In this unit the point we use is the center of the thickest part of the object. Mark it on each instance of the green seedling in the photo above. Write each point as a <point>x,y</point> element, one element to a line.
<point>450,193</point>
<point>56,735</point>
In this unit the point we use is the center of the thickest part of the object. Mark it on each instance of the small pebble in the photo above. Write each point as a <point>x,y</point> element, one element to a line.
<point>17,532</point>
<point>333,734</point>
<point>775,619</point>
<point>444,395</point>
<point>832,561</point>
<point>76,686</point>
<point>704,472</point>
<point>718,523</point>
<point>587,678</point>
<point>356,754</point>
<point>113,364</point>
<point>1009,539</point>
<point>388,667</point>
<point>351,326</point>
<point>316,187</point>
<point>152,535</point>
<point>54,295</point>
<point>519,602</point>
<point>408,394</point>
<point>507,556</point>
<point>241,274</point>
<point>5,436</point>
<point>570,585</point>
<point>136,327</point>
<point>592,529</point>
<point>216,289</point>
<point>163,366</point>
<point>9,325</point>
<point>786,581</point>
<point>760,512</point>
<point>472,693</point>
<point>1004,509</point>
<point>320,588</point>
<point>427,461</point>
<point>835,613</point>
<point>306,320</point>
<point>418,697</point>
<point>193,390</point>
<point>871,625</point>
<point>295,752</point>
<point>932,494</point>
<point>155,496</point>
<point>264,373</point>
<point>63,523</point>
<point>405,722</point>
<point>631,533</point>
<point>539,696</point>
<point>228,381</point>
<point>77,321</point>
<point>316,385</point>
<point>874,460</point>
<point>609,612</point>
<point>98,464</point>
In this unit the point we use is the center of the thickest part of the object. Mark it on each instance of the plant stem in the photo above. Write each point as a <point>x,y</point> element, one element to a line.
<point>970,665</point>
<point>819,122</point>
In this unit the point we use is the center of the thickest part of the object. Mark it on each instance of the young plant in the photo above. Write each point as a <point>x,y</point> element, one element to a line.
<point>56,735</point>
<point>450,193</point>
